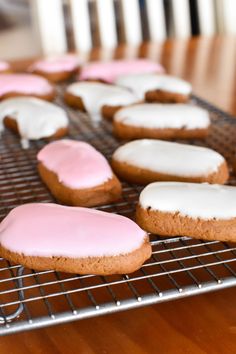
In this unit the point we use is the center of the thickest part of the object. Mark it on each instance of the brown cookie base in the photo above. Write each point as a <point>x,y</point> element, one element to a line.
<point>74,101</point>
<point>11,124</point>
<point>105,193</point>
<point>77,102</point>
<point>128,132</point>
<point>96,80</point>
<point>56,76</point>
<point>165,97</point>
<point>122,264</point>
<point>7,71</point>
<point>48,97</point>
<point>173,224</point>
<point>138,175</point>
<point>108,112</point>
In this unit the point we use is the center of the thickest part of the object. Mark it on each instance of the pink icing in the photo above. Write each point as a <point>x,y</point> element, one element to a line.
<point>4,65</point>
<point>53,230</point>
<point>24,83</point>
<point>77,164</point>
<point>109,71</point>
<point>57,64</point>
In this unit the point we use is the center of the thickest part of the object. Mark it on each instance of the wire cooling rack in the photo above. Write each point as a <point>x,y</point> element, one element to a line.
<point>178,267</point>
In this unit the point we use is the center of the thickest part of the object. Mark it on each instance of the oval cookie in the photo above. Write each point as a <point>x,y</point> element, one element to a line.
<point>56,68</point>
<point>197,210</point>
<point>147,160</point>
<point>4,67</point>
<point>161,121</point>
<point>25,85</point>
<point>157,88</point>
<point>96,97</point>
<point>75,240</point>
<point>109,71</point>
<point>33,118</point>
<point>77,174</point>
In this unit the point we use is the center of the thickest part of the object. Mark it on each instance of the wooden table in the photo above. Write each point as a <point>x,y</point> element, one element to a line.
<point>201,324</point>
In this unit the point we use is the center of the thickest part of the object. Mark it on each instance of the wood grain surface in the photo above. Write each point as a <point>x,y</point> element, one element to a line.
<point>201,324</point>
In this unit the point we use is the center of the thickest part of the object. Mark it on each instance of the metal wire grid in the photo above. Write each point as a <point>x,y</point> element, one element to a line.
<point>178,267</point>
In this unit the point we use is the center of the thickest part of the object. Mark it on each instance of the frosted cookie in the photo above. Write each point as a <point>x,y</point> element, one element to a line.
<point>72,239</point>
<point>157,88</point>
<point>33,118</point>
<point>145,161</point>
<point>197,210</point>
<point>161,121</point>
<point>109,71</point>
<point>25,85</point>
<point>4,67</point>
<point>56,68</point>
<point>77,174</point>
<point>96,97</point>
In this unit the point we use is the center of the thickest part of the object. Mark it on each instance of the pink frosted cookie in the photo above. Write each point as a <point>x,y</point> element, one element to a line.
<point>56,68</point>
<point>77,174</point>
<point>71,239</point>
<point>4,67</point>
<point>25,85</point>
<point>109,71</point>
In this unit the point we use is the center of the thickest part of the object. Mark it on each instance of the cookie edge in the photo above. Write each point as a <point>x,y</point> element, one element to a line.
<point>135,174</point>
<point>174,224</point>
<point>106,265</point>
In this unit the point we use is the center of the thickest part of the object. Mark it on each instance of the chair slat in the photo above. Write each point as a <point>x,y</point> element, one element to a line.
<point>106,23</point>
<point>226,16</point>
<point>156,20</point>
<point>132,21</point>
<point>206,15</point>
<point>81,25</point>
<point>49,23</point>
<point>181,18</point>
<point>214,15</point>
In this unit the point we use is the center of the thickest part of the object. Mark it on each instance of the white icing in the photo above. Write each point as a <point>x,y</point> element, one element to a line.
<point>95,95</point>
<point>163,116</point>
<point>195,200</point>
<point>169,158</point>
<point>141,83</point>
<point>35,118</point>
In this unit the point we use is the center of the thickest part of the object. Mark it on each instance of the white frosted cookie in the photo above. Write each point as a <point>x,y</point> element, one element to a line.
<point>94,96</point>
<point>161,121</point>
<point>146,160</point>
<point>142,84</point>
<point>189,209</point>
<point>33,118</point>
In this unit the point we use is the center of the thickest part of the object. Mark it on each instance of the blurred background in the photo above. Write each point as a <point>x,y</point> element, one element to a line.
<point>30,28</point>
